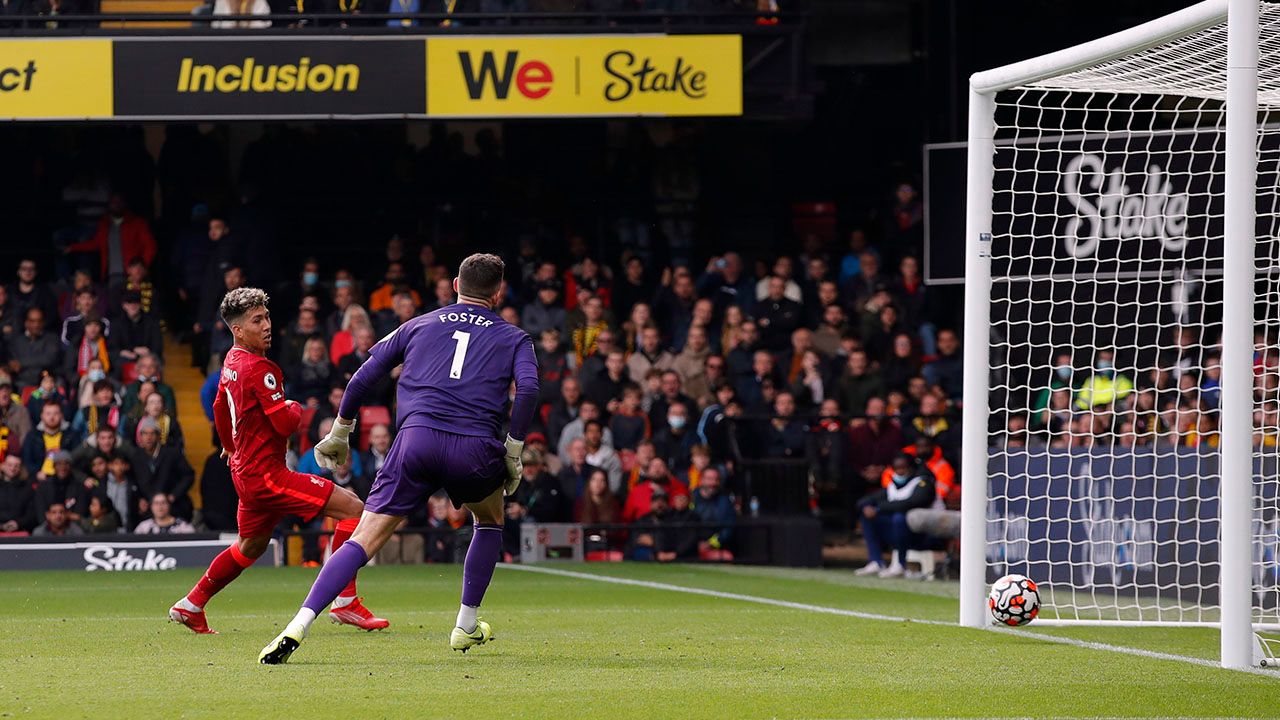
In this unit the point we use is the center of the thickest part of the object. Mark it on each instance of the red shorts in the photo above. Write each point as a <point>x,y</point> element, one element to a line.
<point>264,501</point>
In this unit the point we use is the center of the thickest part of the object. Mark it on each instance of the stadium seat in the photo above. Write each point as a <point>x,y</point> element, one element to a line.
<point>369,417</point>
<point>341,346</point>
<point>304,439</point>
<point>129,372</point>
<point>604,556</point>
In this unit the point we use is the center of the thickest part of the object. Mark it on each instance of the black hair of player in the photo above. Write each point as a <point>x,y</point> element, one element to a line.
<point>480,275</point>
<point>237,303</point>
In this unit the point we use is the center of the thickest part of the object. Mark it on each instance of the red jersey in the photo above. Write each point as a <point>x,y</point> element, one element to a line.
<point>250,392</point>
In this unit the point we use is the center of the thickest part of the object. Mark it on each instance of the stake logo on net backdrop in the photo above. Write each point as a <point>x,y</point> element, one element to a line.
<point>575,75</point>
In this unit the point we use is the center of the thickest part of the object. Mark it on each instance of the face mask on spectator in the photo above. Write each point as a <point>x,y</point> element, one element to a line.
<point>342,284</point>
<point>900,480</point>
<point>676,421</point>
<point>1105,366</point>
<point>310,278</point>
<point>96,375</point>
<point>1064,372</point>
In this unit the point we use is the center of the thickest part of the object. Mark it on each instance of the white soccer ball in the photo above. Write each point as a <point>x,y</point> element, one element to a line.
<point>1014,600</point>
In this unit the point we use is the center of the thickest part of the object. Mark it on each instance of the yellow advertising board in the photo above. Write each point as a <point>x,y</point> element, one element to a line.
<point>55,79</point>
<point>577,75</point>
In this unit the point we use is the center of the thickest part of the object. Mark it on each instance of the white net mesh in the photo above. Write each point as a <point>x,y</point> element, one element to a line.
<point>1106,322</point>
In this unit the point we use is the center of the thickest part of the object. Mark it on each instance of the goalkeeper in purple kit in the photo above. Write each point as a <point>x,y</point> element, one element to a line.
<point>458,365</point>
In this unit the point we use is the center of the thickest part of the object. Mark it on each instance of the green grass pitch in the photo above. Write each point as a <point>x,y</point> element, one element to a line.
<point>97,645</point>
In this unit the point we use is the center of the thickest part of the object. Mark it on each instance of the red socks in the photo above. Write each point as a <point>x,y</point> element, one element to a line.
<point>342,533</point>
<point>224,568</point>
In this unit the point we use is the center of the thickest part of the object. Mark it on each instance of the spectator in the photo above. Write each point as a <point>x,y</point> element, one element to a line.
<point>932,421</point>
<point>690,364</point>
<point>790,361</point>
<point>383,389</point>
<point>49,436</point>
<point>629,425</point>
<point>605,387</point>
<point>947,371</point>
<point>713,507</point>
<point>90,346</point>
<point>121,236</point>
<point>714,427</point>
<point>741,357</point>
<point>927,451</point>
<point>563,412</point>
<point>786,437</point>
<point>149,370</point>
<point>884,516</point>
<point>17,499</point>
<point>8,316</point>
<point>584,333</point>
<point>867,281</point>
<point>86,309</point>
<point>598,504</point>
<point>673,306</point>
<point>726,284</point>
<point>15,422</point>
<point>645,453</point>
<point>57,523</point>
<point>752,388</point>
<point>833,328</point>
<point>634,289</point>
<point>649,356</point>
<point>782,268</point>
<point>576,470</point>
<point>130,502</point>
<point>170,430</point>
<point>217,494</point>
<point>64,486</point>
<point>675,439</point>
<point>880,324</point>
<point>813,385</point>
<point>103,444</point>
<point>136,281</point>
<point>653,538</point>
<point>699,461</point>
<point>874,438</point>
<point>101,518</point>
<point>859,384</point>
<point>777,316</point>
<point>310,381</point>
<point>546,311</point>
<point>601,454</point>
<point>541,495</point>
<point>394,283</point>
<point>34,351</point>
<point>633,329</point>
<point>161,469</point>
<point>553,366</point>
<point>241,7</point>
<point>730,329</point>
<point>403,309</point>
<point>371,460</point>
<point>587,412</point>
<point>902,365</point>
<point>136,333</point>
<point>1105,386</point>
<point>102,412</point>
<point>442,294</point>
<point>48,392</point>
<point>28,293</point>
<point>162,522</point>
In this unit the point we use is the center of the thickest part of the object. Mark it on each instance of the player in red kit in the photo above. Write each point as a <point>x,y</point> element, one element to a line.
<point>254,422</point>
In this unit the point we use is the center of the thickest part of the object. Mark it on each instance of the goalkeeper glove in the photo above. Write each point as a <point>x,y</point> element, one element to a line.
<point>515,466</point>
<point>333,450</point>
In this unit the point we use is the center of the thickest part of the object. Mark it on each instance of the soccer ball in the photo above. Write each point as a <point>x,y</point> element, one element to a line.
<point>1014,600</point>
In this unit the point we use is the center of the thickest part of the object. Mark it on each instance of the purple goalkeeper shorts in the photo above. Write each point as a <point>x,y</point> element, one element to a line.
<point>423,460</point>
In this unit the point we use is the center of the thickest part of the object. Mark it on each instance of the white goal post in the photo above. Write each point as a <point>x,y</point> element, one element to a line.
<point>1122,327</point>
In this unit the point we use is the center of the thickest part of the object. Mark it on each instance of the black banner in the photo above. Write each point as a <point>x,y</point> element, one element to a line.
<point>265,77</point>
<point>116,553</point>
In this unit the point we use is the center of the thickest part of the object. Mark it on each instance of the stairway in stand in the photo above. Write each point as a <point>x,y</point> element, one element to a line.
<point>186,382</point>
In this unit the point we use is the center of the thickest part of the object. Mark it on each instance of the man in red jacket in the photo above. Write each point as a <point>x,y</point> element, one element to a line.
<point>121,236</point>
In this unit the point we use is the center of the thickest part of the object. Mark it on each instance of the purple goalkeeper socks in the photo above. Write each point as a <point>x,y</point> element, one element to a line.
<point>340,570</point>
<point>482,557</point>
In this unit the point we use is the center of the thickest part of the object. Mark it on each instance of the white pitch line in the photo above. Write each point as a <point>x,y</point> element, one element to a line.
<point>827,610</point>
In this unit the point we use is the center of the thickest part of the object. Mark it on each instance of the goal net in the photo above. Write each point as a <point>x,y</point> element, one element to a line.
<point>1106,316</point>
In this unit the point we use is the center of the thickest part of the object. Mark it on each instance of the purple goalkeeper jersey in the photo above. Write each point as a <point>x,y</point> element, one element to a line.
<point>458,365</point>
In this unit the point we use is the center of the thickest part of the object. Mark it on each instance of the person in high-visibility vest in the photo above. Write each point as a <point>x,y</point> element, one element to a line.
<point>1105,386</point>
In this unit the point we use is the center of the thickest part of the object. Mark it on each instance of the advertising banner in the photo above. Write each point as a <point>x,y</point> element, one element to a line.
<point>574,76</point>
<point>1136,520</point>
<point>55,79</point>
<point>269,77</point>
<point>117,553</point>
